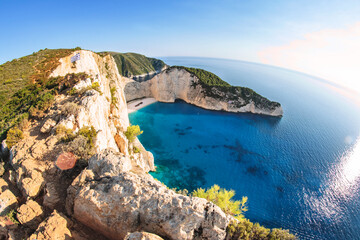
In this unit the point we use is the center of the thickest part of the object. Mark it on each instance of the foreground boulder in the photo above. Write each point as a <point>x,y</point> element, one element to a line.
<point>54,227</point>
<point>114,201</point>
<point>142,236</point>
<point>30,214</point>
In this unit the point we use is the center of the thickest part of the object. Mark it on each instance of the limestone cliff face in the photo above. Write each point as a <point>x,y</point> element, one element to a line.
<point>98,108</point>
<point>114,200</point>
<point>177,83</point>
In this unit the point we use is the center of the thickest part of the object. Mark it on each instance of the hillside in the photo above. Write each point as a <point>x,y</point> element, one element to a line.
<point>217,88</point>
<point>19,81</point>
<point>133,64</point>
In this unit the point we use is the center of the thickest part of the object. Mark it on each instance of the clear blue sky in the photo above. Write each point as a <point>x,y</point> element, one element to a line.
<point>235,29</point>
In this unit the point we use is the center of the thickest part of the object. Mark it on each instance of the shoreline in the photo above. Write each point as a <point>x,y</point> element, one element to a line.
<point>137,104</point>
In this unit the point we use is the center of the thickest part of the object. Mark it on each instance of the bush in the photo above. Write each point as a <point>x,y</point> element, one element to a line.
<point>113,98</point>
<point>70,108</point>
<point>12,216</point>
<point>222,198</point>
<point>14,135</point>
<point>136,150</point>
<point>81,147</point>
<point>132,132</point>
<point>89,133</point>
<point>244,229</point>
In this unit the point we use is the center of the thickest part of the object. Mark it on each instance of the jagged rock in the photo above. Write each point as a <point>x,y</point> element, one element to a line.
<point>3,185</point>
<point>29,178</point>
<point>117,202</point>
<point>30,214</point>
<point>7,228</point>
<point>142,236</point>
<point>54,227</point>
<point>122,143</point>
<point>51,198</point>
<point>48,125</point>
<point>109,163</point>
<point>8,201</point>
<point>4,150</point>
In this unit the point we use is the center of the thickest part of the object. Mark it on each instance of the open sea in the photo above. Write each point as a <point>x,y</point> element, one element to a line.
<point>300,172</point>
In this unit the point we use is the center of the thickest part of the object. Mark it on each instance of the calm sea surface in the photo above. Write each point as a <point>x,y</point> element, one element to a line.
<point>300,172</point>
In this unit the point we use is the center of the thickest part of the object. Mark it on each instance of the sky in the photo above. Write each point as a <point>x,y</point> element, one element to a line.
<point>317,37</point>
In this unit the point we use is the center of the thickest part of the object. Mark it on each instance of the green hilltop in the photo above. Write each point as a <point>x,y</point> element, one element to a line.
<point>132,64</point>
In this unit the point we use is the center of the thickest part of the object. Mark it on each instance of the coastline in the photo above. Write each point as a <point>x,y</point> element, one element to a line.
<point>137,104</point>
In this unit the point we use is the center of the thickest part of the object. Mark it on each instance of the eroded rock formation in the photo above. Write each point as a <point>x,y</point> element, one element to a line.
<point>178,83</point>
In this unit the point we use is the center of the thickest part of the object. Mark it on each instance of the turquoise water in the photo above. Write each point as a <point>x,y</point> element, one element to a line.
<point>300,172</point>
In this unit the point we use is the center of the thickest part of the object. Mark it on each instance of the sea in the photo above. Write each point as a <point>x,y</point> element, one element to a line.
<point>300,172</point>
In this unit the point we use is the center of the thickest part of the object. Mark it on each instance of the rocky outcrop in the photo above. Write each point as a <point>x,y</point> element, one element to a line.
<point>54,227</point>
<point>105,109</point>
<point>30,214</point>
<point>114,200</point>
<point>142,236</point>
<point>177,83</point>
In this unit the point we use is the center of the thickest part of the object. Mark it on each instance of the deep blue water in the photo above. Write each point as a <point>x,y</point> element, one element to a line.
<point>300,172</point>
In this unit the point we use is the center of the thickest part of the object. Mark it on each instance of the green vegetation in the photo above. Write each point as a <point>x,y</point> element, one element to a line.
<point>136,150</point>
<point>14,136</point>
<point>241,228</point>
<point>217,88</point>
<point>223,199</point>
<point>26,87</point>
<point>81,144</point>
<point>113,98</point>
<point>12,216</point>
<point>208,78</point>
<point>132,64</point>
<point>244,229</point>
<point>132,132</point>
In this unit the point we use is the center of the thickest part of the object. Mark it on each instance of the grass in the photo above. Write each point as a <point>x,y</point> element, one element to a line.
<point>24,84</point>
<point>132,64</point>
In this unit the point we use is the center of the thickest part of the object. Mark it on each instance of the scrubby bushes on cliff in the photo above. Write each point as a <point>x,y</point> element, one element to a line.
<point>14,135</point>
<point>132,132</point>
<point>81,143</point>
<point>223,198</point>
<point>244,229</point>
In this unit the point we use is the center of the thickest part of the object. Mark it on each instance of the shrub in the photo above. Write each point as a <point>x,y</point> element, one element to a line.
<point>89,133</point>
<point>12,216</point>
<point>70,108</point>
<point>222,198</point>
<point>81,147</point>
<point>136,150</point>
<point>244,229</point>
<point>132,132</point>
<point>113,98</point>
<point>14,135</point>
<point>66,134</point>
<point>73,91</point>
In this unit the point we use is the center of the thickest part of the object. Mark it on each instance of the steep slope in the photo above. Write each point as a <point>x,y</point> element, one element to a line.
<point>16,80</point>
<point>137,66</point>
<point>203,89</point>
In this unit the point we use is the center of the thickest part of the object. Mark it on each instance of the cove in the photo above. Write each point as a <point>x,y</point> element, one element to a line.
<point>300,172</point>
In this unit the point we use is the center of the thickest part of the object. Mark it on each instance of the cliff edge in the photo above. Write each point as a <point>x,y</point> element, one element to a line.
<point>193,86</point>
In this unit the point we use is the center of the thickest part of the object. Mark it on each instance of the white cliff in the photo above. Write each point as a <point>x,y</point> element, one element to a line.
<point>177,83</point>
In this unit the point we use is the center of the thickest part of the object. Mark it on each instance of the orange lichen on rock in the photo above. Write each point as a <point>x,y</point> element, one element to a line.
<point>66,160</point>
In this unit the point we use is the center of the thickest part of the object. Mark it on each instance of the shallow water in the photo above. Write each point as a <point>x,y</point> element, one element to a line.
<point>301,171</point>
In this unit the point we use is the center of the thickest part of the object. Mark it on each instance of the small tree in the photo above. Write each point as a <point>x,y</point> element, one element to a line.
<point>222,198</point>
<point>132,132</point>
